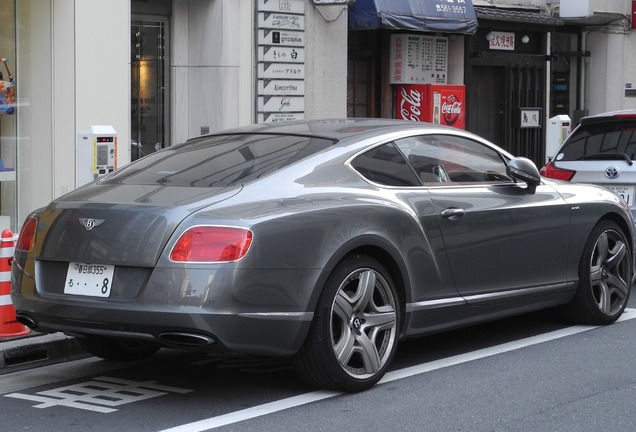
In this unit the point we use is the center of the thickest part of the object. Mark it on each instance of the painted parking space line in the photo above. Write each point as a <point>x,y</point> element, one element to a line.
<point>307,398</point>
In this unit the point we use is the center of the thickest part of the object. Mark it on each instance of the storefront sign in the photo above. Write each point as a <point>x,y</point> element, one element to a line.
<point>281,37</point>
<point>417,59</point>
<point>451,7</point>
<point>530,117</point>
<point>281,71</point>
<point>281,21</point>
<point>279,117</point>
<point>281,87</point>
<point>288,6</point>
<point>281,103</point>
<point>281,60</point>
<point>501,41</point>
<point>281,54</point>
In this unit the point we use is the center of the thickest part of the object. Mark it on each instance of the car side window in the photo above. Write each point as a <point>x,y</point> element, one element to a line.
<point>450,158</point>
<point>385,165</point>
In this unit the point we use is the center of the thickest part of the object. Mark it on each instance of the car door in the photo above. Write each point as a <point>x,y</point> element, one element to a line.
<point>499,238</point>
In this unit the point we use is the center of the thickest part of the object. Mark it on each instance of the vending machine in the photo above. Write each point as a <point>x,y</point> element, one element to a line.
<point>433,103</point>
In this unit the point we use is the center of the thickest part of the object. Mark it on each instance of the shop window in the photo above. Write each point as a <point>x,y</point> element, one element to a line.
<point>149,86</point>
<point>9,107</point>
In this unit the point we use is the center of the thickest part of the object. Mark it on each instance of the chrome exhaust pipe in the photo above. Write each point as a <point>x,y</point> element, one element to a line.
<point>27,321</point>
<point>186,340</point>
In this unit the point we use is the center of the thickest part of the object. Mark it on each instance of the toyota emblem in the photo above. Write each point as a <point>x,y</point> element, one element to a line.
<point>612,172</point>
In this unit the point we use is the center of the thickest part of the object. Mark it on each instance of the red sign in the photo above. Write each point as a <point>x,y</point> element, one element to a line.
<point>633,15</point>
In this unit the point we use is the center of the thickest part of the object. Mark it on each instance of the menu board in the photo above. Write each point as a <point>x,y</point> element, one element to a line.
<point>418,59</point>
<point>281,60</point>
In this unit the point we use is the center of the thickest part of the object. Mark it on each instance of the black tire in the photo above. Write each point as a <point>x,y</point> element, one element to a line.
<point>354,333</point>
<point>605,274</point>
<point>117,349</point>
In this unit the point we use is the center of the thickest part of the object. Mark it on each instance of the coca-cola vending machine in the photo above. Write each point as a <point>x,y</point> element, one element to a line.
<point>433,103</point>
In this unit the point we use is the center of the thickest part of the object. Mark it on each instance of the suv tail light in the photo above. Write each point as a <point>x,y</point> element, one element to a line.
<point>27,235</point>
<point>550,171</point>
<point>212,244</point>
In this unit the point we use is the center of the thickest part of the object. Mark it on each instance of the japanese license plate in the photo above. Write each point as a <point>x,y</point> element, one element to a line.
<point>85,279</point>
<point>626,193</point>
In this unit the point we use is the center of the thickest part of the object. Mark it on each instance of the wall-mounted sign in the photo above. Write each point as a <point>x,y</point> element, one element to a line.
<point>530,117</point>
<point>281,60</point>
<point>279,117</point>
<point>281,54</point>
<point>281,37</point>
<point>281,21</point>
<point>501,41</point>
<point>289,6</point>
<point>281,87</point>
<point>417,59</point>
<point>334,2</point>
<point>281,71</point>
<point>281,103</point>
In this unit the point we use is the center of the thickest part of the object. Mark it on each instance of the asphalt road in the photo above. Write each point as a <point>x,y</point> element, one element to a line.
<point>532,373</point>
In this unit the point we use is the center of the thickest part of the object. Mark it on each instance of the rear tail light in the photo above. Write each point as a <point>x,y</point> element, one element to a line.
<point>27,235</point>
<point>550,171</point>
<point>212,244</point>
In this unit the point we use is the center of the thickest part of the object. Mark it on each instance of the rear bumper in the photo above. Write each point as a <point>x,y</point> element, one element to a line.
<point>264,312</point>
<point>271,334</point>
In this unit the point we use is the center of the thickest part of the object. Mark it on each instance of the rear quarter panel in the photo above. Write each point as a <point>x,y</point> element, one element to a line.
<point>590,204</point>
<point>314,231</point>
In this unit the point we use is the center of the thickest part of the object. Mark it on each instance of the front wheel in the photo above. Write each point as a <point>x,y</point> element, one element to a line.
<point>354,334</point>
<point>605,274</point>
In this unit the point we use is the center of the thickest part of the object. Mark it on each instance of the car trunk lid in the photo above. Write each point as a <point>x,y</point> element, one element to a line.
<point>127,225</point>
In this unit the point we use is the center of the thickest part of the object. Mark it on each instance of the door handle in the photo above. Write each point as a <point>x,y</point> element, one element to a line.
<point>452,213</point>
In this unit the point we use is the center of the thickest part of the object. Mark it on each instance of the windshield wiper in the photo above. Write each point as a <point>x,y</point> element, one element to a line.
<point>609,156</point>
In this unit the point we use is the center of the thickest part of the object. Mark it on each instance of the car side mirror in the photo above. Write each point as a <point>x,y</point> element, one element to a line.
<point>523,169</point>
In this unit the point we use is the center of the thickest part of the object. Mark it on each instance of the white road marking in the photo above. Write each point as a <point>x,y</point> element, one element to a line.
<point>307,398</point>
<point>99,395</point>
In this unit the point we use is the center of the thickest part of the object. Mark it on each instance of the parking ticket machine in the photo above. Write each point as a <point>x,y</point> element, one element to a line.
<point>96,154</point>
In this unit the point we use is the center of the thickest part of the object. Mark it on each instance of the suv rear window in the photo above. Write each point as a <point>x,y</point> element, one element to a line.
<point>220,160</point>
<point>601,140</point>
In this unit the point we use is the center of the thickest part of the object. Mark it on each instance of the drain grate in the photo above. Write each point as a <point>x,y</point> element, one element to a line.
<point>28,357</point>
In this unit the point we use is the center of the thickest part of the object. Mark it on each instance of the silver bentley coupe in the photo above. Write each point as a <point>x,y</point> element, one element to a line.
<point>325,241</point>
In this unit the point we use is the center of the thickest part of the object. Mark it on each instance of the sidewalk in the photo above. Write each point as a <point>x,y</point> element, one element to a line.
<point>36,350</point>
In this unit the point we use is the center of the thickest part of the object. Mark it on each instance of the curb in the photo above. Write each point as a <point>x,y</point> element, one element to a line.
<point>38,350</point>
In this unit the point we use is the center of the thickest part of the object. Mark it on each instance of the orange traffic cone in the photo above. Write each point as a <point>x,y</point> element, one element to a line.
<point>9,327</point>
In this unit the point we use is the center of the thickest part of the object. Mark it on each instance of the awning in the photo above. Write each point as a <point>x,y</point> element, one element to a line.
<point>450,16</point>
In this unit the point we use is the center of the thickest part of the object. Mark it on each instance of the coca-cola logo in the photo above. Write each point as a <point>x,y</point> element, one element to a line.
<point>451,110</point>
<point>410,105</point>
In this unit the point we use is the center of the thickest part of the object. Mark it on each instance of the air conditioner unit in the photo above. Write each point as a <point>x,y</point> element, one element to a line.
<point>587,8</point>
<point>575,9</point>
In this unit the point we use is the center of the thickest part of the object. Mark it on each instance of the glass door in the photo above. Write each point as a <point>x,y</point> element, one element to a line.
<point>149,86</point>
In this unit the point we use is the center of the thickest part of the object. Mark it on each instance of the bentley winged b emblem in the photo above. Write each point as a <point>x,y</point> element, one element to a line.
<point>89,224</point>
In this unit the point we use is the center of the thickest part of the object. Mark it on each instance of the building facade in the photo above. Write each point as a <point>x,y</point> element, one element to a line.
<point>160,71</point>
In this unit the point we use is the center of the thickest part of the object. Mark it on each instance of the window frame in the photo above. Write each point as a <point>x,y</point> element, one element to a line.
<point>498,155</point>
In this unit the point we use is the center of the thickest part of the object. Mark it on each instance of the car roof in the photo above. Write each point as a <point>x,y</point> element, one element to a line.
<point>336,128</point>
<point>341,129</point>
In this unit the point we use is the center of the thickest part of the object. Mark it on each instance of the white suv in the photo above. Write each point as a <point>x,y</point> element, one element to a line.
<point>601,151</point>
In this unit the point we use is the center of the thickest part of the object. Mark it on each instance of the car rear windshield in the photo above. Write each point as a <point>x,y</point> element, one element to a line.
<point>221,160</point>
<point>607,140</point>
